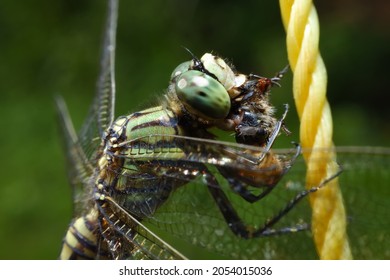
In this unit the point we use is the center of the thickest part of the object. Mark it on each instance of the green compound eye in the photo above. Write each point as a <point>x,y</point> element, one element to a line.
<point>183,67</point>
<point>202,95</point>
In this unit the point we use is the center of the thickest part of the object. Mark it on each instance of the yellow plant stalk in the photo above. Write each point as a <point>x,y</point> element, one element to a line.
<point>309,87</point>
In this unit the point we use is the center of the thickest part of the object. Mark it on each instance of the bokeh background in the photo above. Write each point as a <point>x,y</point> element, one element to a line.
<point>53,47</point>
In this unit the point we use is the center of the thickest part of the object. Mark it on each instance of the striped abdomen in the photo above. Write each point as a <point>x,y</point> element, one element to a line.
<point>81,240</point>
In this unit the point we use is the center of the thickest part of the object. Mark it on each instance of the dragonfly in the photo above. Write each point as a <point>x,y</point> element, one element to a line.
<point>158,184</point>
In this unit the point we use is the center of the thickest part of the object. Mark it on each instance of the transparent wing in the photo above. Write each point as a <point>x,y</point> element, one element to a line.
<point>82,149</point>
<point>163,165</point>
<point>101,113</point>
<point>130,239</point>
<point>79,167</point>
<point>191,213</point>
<point>365,187</point>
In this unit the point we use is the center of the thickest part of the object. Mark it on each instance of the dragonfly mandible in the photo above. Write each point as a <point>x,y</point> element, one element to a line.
<point>162,170</point>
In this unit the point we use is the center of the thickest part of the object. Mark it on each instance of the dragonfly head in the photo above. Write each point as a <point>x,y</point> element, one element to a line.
<point>206,86</point>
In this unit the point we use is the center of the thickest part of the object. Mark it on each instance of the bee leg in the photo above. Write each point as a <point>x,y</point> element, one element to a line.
<point>278,126</point>
<point>271,139</point>
<point>275,80</point>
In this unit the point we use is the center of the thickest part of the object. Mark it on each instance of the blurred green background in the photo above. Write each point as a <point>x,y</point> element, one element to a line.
<point>53,47</point>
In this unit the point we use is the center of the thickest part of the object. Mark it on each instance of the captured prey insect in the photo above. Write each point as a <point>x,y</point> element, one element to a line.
<point>160,173</point>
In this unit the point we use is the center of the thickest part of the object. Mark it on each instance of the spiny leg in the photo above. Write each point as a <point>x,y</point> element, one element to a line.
<point>237,225</point>
<point>229,213</point>
<point>290,205</point>
<point>279,125</point>
<point>276,79</point>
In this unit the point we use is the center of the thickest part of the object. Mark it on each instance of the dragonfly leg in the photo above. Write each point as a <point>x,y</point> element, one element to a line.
<point>229,213</point>
<point>242,190</point>
<point>237,225</point>
<point>266,229</point>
